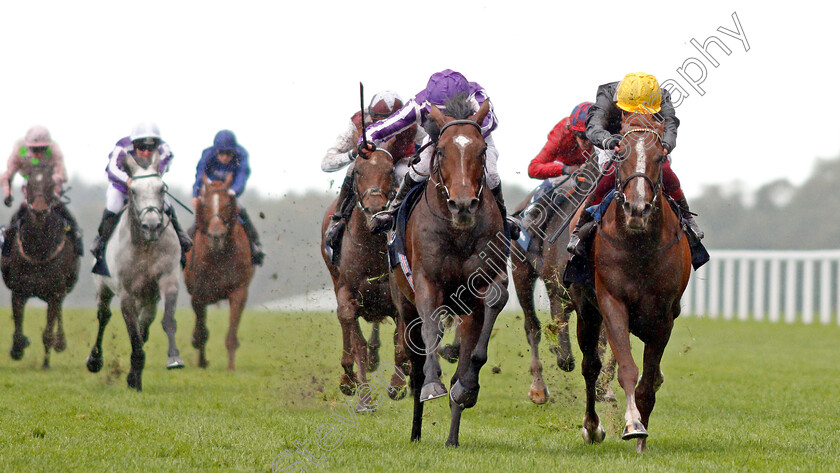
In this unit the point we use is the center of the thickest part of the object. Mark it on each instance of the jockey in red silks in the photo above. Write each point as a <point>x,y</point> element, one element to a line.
<point>636,93</point>
<point>565,148</point>
<point>343,154</point>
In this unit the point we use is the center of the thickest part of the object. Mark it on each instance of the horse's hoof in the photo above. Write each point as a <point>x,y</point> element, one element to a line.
<point>449,353</point>
<point>593,437</point>
<point>174,363</point>
<point>373,359</point>
<point>46,364</point>
<point>94,361</point>
<point>604,394</point>
<point>60,344</point>
<point>134,380</point>
<point>432,390</point>
<point>538,396</point>
<point>19,343</point>
<point>634,430</point>
<point>347,389</point>
<point>203,363</point>
<point>452,443</point>
<point>566,364</point>
<point>396,393</point>
<point>462,397</point>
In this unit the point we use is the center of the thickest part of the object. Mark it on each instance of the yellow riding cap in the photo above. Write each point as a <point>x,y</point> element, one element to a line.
<point>639,93</point>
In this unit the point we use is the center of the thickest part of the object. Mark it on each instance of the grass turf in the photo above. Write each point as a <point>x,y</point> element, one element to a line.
<point>738,396</point>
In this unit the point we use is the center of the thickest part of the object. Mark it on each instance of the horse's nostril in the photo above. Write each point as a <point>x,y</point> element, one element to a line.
<point>453,207</point>
<point>647,209</point>
<point>474,205</point>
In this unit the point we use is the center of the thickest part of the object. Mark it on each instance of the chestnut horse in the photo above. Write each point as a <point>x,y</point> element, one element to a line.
<point>641,264</point>
<point>218,265</point>
<point>42,263</point>
<point>361,278</point>
<point>543,220</point>
<point>452,243</point>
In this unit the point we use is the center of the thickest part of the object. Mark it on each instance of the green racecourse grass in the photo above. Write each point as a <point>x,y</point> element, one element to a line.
<point>738,396</point>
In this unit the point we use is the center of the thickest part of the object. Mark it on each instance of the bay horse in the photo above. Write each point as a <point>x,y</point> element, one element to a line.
<point>456,248</point>
<point>361,279</point>
<point>143,259</point>
<point>218,265</point>
<point>642,263</point>
<point>42,263</point>
<point>545,219</point>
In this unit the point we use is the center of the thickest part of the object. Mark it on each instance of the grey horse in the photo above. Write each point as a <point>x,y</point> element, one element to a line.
<point>142,259</point>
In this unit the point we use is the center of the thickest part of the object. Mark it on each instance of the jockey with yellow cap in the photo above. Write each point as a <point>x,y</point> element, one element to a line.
<point>636,93</point>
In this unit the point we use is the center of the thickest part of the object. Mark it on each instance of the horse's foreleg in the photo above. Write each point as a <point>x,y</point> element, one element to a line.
<point>415,350</point>
<point>616,320</point>
<point>19,340</point>
<point>60,340</point>
<point>200,333</point>
<point>237,299</point>
<point>169,292</point>
<point>138,356</point>
<point>431,328</point>
<point>347,319</point>
<point>560,311</point>
<point>651,379</point>
<point>588,330</point>
<point>524,283</point>
<point>103,314</point>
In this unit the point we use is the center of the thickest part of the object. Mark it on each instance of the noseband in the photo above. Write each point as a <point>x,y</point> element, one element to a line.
<point>150,209</point>
<point>620,186</point>
<point>373,191</point>
<point>227,224</point>
<point>439,182</point>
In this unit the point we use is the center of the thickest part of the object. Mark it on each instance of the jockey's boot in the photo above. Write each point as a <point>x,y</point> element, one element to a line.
<point>257,254</point>
<point>384,221</point>
<point>106,228</point>
<point>72,228</point>
<point>183,239</point>
<point>341,215</point>
<point>513,224</point>
<point>689,219</point>
<point>583,229</point>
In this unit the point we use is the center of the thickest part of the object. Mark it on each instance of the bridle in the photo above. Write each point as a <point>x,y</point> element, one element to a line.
<point>228,225</point>
<point>436,172</point>
<point>373,191</point>
<point>139,214</point>
<point>655,186</point>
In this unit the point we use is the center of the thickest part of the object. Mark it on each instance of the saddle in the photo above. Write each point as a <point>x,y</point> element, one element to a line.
<point>580,271</point>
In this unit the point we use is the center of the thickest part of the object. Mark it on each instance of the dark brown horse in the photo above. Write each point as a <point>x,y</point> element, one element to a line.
<point>42,263</point>
<point>641,264</point>
<point>218,265</point>
<point>455,247</point>
<point>361,278</point>
<point>544,219</point>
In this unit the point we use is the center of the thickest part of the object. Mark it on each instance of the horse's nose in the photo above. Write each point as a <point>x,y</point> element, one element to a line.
<point>637,210</point>
<point>462,206</point>
<point>150,227</point>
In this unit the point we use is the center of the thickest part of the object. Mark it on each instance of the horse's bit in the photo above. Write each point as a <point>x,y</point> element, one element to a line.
<point>373,191</point>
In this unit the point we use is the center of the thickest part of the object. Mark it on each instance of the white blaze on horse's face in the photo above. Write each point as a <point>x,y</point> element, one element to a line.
<point>462,142</point>
<point>641,161</point>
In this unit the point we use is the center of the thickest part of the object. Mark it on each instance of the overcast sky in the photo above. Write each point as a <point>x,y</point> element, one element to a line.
<point>284,77</point>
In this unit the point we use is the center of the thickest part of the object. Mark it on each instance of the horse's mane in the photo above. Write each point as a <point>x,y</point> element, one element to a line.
<point>458,107</point>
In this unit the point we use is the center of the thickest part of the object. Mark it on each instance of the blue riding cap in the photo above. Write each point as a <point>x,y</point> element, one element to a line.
<point>225,140</point>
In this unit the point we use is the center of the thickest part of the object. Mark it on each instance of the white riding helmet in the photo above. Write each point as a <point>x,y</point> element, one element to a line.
<point>145,130</point>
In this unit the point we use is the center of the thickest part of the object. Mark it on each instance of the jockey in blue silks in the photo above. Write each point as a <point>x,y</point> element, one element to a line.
<point>225,157</point>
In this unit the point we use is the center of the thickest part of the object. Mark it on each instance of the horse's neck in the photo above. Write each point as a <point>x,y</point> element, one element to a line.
<point>39,239</point>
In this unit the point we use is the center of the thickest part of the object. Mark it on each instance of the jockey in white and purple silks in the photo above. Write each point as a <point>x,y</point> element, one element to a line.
<point>142,144</point>
<point>441,86</point>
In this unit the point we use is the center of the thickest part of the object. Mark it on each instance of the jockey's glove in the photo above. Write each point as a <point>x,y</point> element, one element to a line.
<point>353,154</point>
<point>612,142</point>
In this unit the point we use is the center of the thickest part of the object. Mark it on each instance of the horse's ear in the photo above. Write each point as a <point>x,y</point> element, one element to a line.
<point>131,165</point>
<point>228,179</point>
<point>482,113</point>
<point>437,116</point>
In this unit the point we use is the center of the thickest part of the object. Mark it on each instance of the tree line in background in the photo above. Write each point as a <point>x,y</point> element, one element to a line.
<point>778,215</point>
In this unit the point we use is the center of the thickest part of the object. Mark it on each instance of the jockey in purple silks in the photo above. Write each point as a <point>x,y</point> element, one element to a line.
<point>440,87</point>
<point>226,156</point>
<point>142,144</point>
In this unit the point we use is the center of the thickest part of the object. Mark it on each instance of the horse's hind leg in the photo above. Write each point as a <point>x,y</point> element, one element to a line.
<point>603,390</point>
<point>103,314</point>
<point>237,304</point>
<point>19,340</point>
<point>200,333</point>
<point>524,279</point>
<point>416,352</point>
<point>588,330</point>
<point>60,340</point>
<point>170,299</point>
<point>561,310</point>
<point>373,348</point>
<point>48,337</point>
<point>450,351</point>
